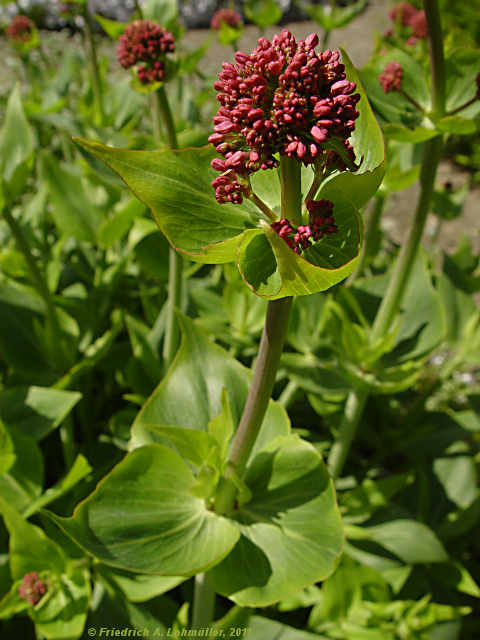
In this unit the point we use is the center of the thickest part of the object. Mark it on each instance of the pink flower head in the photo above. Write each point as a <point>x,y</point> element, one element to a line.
<point>20,29</point>
<point>32,588</point>
<point>282,98</point>
<point>403,12</point>
<point>228,16</point>
<point>419,25</point>
<point>321,223</point>
<point>391,78</point>
<point>145,44</point>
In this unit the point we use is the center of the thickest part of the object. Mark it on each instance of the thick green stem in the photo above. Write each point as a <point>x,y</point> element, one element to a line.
<point>96,80</point>
<point>162,114</point>
<point>203,602</point>
<point>291,189</point>
<point>391,302</point>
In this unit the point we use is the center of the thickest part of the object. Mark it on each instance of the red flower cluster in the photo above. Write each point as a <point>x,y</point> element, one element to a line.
<point>20,29</point>
<point>282,98</point>
<point>228,16</point>
<point>407,15</point>
<point>391,78</point>
<point>145,43</point>
<point>320,224</point>
<point>32,588</point>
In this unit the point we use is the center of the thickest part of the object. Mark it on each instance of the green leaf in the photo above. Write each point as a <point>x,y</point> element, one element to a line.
<point>36,411</point>
<point>190,395</point>
<point>412,541</point>
<point>457,474</point>
<point>112,28</point>
<point>79,470</point>
<point>176,186</point>
<point>264,628</point>
<point>263,12</point>
<point>367,141</point>
<point>115,228</point>
<point>140,587</point>
<point>23,482</point>
<point>328,262</point>
<point>63,613</point>
<point>30,549</point>
<point>142,517</point>
<point>72,210</point>
<point>16,148</point>
<point>221,427</point>
<point>7,451</point>
<point>291,532</point>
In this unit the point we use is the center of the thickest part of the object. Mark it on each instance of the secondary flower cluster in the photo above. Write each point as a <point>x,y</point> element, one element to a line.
<point>32,588</point>
<point>145,44</point>
<point>391,78</point>
<point>321,223</point>
<point>406,15</point>
<point>20,29</point>
<point>227,16</point>
<point>282,98</point>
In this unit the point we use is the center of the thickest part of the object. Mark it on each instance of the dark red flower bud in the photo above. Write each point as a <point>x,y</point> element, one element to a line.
<point>145,44</point>
<point>403,12</point>
<point>32,588</point>
<point>391,78</point>
<point>226,16</point>
<point>321,223</point>
<point>20,29</point>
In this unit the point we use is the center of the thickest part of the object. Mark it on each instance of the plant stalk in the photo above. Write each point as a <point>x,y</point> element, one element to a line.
<point>203,602</point>
<point>96,80</point>
<point>162,114</point>
<point>391,302</point>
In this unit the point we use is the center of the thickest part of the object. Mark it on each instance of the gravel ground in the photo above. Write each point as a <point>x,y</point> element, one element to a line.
<point>358,38</point>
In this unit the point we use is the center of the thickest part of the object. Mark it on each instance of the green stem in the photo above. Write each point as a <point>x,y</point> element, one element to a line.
<point>266,366</point>
<point>53,329</point>
<point>403,267</point>
<point>96,81</point>
<point>203,602</point>
<point>291,189</point>
<point>163,114</point>
<point>138,9</point>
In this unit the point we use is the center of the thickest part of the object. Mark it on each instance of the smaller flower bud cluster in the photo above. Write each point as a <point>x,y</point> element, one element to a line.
<point>406,15</point>
<point>32,588</point>
<point>20,29</point>
<point>145,44</point>
<point>321,223</point>
<point>391,78</point>
<point>226,16</point>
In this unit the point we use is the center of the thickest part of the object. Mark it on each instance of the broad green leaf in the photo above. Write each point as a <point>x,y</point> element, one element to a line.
<point>228,35</point>
<point>192,445</point>
<point>461,71</point>
<point>139,587</point>
<point>115,228</point>
<point>36,411</point>
<point>457,474</point>
<point>142,517</point>
<point>458,125</point>
<point>30,549</point>
<point>163,11</point>
<point>11,604</point>
<point>221,427</point>
<point>291,532</point>
<point>72,210</point>
<point>16,148</point>
<point>23,482</point>
<point>263,12</point>
<point>360,503</point>
<point>411,541</point>
<point>190,394</point>
<point>401,133</point>
<point>176,186</point>
<point>455,576</point>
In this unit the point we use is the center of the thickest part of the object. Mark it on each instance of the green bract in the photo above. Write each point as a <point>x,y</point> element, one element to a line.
<point>176,185</point>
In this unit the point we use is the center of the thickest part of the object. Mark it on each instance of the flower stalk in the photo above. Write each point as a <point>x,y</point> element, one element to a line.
<point>162,114</point>
<point>92,50</point>
<point>391,302</point>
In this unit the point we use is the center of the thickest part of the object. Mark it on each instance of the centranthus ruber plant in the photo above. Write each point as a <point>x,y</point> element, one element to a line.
<point>215,482</point>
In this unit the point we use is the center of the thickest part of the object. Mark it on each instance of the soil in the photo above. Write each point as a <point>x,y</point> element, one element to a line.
<point>358,38</point>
